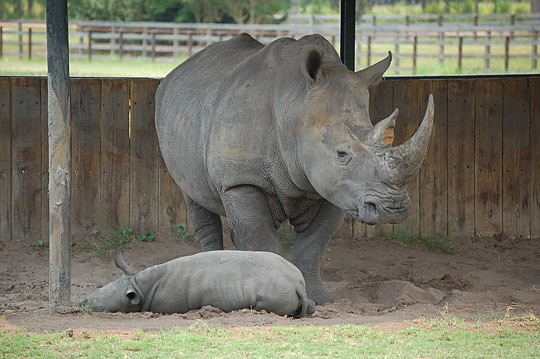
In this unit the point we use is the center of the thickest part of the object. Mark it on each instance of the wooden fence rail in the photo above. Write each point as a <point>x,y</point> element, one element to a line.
<point>486,48</point>
<point>481,176</point>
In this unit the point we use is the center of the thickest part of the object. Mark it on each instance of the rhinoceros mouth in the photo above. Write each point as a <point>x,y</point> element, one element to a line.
<point>374,211</point>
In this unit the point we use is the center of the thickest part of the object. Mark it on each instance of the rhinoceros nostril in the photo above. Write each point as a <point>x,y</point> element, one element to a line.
<point>370,207</point>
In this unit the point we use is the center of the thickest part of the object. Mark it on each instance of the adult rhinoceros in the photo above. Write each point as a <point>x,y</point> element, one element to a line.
<point>261,134</point>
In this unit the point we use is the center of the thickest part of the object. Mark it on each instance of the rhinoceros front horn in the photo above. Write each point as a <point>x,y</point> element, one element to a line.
<point>404,161</point>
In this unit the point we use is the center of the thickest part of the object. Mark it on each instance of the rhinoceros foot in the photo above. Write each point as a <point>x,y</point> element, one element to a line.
<point>318,293</point>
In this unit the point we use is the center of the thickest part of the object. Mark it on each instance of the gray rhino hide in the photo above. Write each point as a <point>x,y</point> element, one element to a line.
<point>229,280</point>
<point>261,134</point>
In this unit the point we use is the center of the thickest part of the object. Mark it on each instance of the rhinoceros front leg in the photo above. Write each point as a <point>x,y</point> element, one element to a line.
<point>251,221</point>
<point>309,248</point>
<point>207,226</point>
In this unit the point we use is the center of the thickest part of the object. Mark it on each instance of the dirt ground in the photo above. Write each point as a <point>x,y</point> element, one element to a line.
<point>374,281</point>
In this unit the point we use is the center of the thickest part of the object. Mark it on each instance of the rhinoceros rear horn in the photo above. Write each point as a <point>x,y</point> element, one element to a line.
<point>382,133</point>
<point>372,75</point>
<point>123,265</point>
<point>404,161</point>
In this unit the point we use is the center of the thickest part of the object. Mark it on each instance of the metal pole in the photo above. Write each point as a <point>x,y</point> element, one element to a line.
<point>348,15</point>
<point>59,127</point>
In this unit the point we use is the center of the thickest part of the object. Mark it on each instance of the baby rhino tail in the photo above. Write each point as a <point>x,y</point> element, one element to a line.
<point>307,305</point>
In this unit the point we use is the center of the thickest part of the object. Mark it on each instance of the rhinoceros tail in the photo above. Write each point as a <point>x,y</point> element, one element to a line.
<point>307,306</point>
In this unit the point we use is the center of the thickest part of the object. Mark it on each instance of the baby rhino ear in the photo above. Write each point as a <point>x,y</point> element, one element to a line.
<point>133,296</point>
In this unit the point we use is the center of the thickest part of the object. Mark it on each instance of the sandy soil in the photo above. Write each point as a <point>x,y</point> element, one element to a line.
<point>374,281</point>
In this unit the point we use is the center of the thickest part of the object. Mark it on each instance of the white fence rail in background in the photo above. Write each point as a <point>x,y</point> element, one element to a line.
<point>510,40</point>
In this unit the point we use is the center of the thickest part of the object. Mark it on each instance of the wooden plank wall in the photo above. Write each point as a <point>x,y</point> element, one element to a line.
<point>481,176</point>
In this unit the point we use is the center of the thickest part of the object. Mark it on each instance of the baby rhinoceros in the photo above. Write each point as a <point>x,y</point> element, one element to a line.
<point>229,280</point>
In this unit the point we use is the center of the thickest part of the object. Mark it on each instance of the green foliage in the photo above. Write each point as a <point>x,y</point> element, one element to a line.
<point>206,11</point>
<point>183,233</point>
<point>22,9</point>
<point>86,308</point>
<point>43,245</point>
<point>116,240</point>
<point>436,7</point>
<point>455,7</point>
<point>432,243</point>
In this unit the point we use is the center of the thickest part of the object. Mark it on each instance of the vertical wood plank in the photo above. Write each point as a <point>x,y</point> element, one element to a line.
<point>86,155</point>
<point>407,99</point>
<point>26,152</point>
<point>381,105</point>
<point>488,141</point>
<point>534,150</point>
<point>461,157</point>
<point>44,160</point>
<point>114,119</point>
<point>5,158</point>
<point>346,229</point>
<point>172,208</point>
<point>516,170</point>
<point>143,157</point>
<point>433,213</point>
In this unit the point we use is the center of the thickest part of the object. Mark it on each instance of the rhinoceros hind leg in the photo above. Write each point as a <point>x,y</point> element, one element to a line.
<point>309,249</point>
<point>207,226</point>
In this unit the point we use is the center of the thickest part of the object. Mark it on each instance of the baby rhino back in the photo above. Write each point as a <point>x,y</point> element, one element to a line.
<point>232,280</point>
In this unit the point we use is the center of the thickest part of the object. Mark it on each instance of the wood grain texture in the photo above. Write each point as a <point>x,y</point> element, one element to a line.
<point>26,159</point>
<point>172,208</point>
<point>5,158</point>
<point>407,98</point>
<point>481,175</point>
<point>433,179</point>
<point>516,167</point>
<point>44,160</point>
<point>86,155</point>
<point>461,102</point>
<point>488,141</point>
<point>534,150</point>
<point>115,179</point>
<point>144,188</point>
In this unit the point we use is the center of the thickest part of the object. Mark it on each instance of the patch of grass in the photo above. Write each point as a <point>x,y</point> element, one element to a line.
<point>11,66</point>
<point>407,239</point>
<point>202,340</point>
<point>181,231</point>
<point>86,308</point>
<point>116,240</point>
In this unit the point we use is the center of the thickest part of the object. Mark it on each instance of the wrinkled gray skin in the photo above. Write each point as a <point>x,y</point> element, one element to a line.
<point>229,280</point>
<point>262,134</point>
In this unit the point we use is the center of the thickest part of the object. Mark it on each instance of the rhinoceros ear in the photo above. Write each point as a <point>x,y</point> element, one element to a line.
<point>372,75</point>
<point>312,64</point>
<point>123,265</point>
<point>133,296</point>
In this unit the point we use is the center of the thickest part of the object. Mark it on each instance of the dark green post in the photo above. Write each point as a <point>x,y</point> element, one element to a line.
<point>348,18</point>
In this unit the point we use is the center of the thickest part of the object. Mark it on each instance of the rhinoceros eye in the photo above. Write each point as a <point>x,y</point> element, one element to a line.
<point>343,157</point>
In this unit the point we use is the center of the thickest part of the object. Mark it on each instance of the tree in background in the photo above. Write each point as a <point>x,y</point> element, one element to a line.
<point>22,9</point>
<point>254,11</point>
<point>245,11</point>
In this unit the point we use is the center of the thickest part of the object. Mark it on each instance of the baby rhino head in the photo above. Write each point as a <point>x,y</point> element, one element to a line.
<point>122,295</point>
